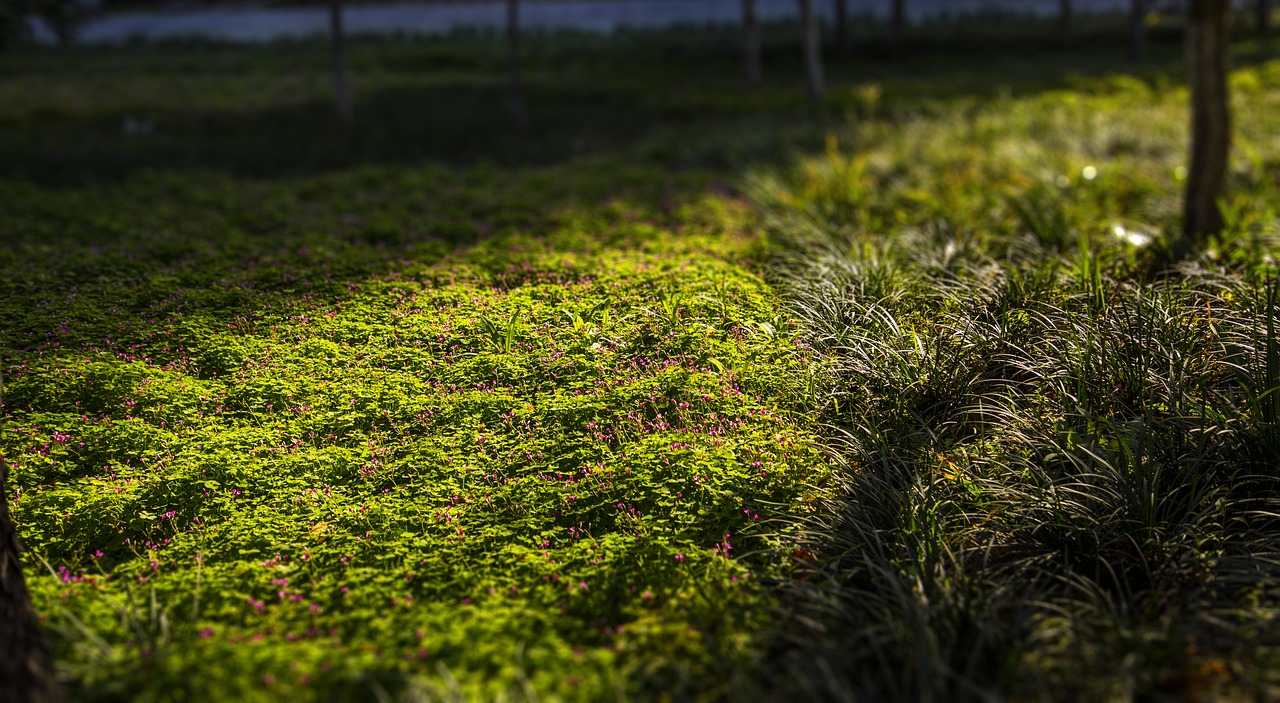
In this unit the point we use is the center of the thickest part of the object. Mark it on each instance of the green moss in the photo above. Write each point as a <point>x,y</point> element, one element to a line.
<point>490,403</point>
<point>322,458</point>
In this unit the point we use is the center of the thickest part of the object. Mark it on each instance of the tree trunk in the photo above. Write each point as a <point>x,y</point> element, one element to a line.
<point>1064,22</point>
<point>842,27</point>
<point>518,113</point>
<point>1138,29</point>
<point>812,41</point>
<point>337,44</point>
<point>62,29</point>
<point>1264,16</point>
<point>1207,57</point>
<point>898,23</point>
<point>751,42</point>
<point>26,660</point>
<point>61,16</point>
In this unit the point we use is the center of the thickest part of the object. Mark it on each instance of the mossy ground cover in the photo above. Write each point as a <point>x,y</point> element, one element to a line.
<point>426,407</point>
<point>279,463</point>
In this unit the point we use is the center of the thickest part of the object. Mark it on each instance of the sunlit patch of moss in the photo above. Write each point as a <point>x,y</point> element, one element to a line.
<point>307,458</point>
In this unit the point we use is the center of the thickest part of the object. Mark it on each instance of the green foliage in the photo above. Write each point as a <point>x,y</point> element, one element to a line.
<point>1059,468</point>
<point>290,462</point>
<point>299,412</point>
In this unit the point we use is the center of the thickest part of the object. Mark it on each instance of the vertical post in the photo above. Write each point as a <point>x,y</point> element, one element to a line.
<point>518,113</point>
<point>62,28</point>
<point>1064,22</point>
<point>812,41</point>
<point>1137,29</point>
<point>1207,58</point>
<point>899,23</point>
<point>751,42</point>
<point>842,27</point>
<point>337,44</point>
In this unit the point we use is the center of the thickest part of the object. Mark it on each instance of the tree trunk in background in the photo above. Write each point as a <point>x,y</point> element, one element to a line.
<point>751,42</point>
<point>1264,16</point>
<point>1138,29</point>
<point>899,22</point>
<point>842,26</point>
<point>26,661</point>
<point>518,113</point>
<point>64,34</point>
<point>337,44</point>
<point>64,17</point>
<point>812,40</point>
<point>1064,22</point>
<point>1207,55</point>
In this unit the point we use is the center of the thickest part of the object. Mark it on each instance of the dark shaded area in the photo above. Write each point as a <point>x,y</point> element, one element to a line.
<point>393,126</point>
<point>672,99</point>
<point>26,660</point>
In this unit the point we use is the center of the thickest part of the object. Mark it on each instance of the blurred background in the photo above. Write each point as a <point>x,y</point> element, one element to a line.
<point>115,20</point>
<point>97,89</point>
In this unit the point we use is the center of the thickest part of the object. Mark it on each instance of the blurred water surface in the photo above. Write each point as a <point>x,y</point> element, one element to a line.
<point>265,23</point>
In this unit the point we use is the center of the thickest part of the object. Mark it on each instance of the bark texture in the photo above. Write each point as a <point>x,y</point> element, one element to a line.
<point>1207,63</point>
<point>27,672</point>
<point>812,40</point>
<point>337,45</point>
<point>751,42</point>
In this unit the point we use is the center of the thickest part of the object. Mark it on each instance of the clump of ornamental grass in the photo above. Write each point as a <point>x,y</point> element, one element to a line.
<point>1059,472</point>
<point>1055,483</point>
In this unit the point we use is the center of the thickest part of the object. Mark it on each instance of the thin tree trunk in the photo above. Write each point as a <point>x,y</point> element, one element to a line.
<point>1207,58</point>
<point>26,661</point>
<point>62,29</point>
<point>812,41</point>
<point>842,27</point>
<point>518,113</point>
<point>337,44</point>
<point>899,23</point>
<point>751,42</point>
<point>1064,22</point>
<point>1138,29</point>
<point>1264,16</point>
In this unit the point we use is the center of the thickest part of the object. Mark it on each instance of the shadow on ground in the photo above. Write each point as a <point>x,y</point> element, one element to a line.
<point>674,103</point>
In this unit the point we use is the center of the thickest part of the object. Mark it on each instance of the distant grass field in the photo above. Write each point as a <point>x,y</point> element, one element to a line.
<point>691,390</point>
